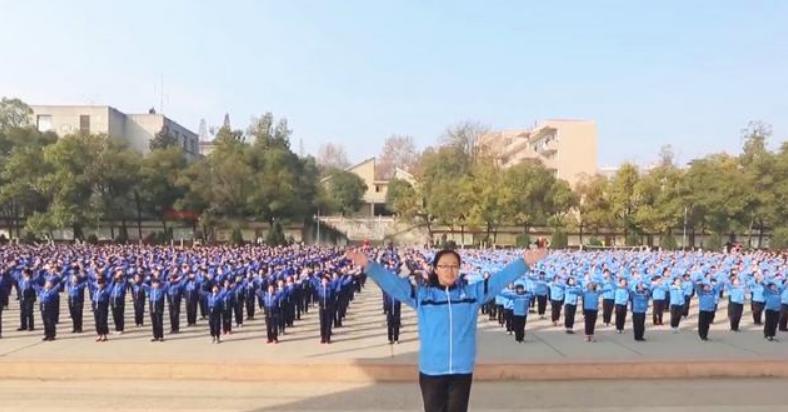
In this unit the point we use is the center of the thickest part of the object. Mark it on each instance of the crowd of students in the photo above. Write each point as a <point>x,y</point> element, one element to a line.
<point>227,285</point>
<point>217,283</point>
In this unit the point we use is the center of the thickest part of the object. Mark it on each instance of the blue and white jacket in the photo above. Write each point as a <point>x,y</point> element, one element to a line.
<point>447,315</point>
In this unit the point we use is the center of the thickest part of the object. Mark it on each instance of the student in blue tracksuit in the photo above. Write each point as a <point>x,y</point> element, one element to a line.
<point>706,304</point>
<point>393,317</point>
<point>326,300</point>
<point>100,299</point>
<point>571,295</point>
<point>521,301</point>
<point>214,305</point>
<point>47,297</point>
<point>676,300</point>
<point>271,303</point>
<point>156,294</point>
<point>658,294</point>
<point>591,295</point>
<point>757,299</point>
<point>735,302</point>
<point>620,300</point>
<point>508,308</point>
<point>447,311</point>
<point>541,291</point>
<point>689,292</point>
<point>556,299</point>
<point>75,288</point>
<point>639,297</point>
<point>783,308</point>
<point>772,293</point>
<point>608,297</point>
<point>117,300</point>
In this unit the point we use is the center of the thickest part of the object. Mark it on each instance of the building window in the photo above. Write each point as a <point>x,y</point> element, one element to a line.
<point>377,188</point>
<point>84,124</point>
<point>44,122</point>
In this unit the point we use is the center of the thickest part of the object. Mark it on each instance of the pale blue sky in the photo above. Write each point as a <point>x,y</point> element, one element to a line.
<point>686,73</point>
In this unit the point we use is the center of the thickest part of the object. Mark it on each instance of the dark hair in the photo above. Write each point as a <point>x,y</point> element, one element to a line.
<point>432,277</point>
<point>445,252</point>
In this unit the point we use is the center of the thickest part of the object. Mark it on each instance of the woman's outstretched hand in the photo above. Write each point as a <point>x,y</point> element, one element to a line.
<point>532,256</point>
<point>358,258</point>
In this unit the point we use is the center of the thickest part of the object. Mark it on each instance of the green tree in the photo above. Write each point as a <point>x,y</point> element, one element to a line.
<point>163,140</point>
<point>346,191</point>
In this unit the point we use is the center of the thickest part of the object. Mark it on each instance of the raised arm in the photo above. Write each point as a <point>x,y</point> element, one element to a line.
<point>397,287</point>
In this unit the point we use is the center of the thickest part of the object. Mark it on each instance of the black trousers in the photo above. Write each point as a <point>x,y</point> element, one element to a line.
<point>157,320</point>
<point>541,304</point>
<point>734,314</point>
<point>227,319</point>
<point>491,310</point>
<point>659,309</point>
<point>639,325</point>
<point>203,308</point>
<point>499,312</point>
<point>555,309</point>
<point>214,322</point>
<point>139,310</point>
<point>392,325</point>
<point>757,311</point>
<point>445,393</point>
<point>175,312</point>
<point>607,310</point>
<point>687,300</point>
<point>249,305</point>
<point>118,314</point>
<point>704,321</point>
<point>770,326</point>
<point>784,318</point>
<point>569,316</point>
<point>589,317</point>
<point>326,320</point>
<point>518,324</point>
<point>75,309</point>
<point>101,317</point>
<point>621,316</point>
<point>26,306</point>
<point>191,310</point>
<point>238,309</point>
<point>48,317</point>
<point>676,312</point>
<point>272,326</point>
<point>507,319</point>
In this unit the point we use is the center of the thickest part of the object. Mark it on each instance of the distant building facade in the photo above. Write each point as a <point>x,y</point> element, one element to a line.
<point>567,147</point>
<point>137,130</point>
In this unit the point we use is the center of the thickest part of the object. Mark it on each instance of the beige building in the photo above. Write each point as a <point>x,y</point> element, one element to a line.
<point>375,197</point>
<point>568,147</point>
<point>137,130</point>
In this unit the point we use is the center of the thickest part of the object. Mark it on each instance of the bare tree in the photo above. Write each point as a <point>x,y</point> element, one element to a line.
<point>464,136</point>
<point>332,155</point>
<point>398,151</point>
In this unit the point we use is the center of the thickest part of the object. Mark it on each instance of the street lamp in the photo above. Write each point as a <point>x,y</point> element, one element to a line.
<point>684,236</point>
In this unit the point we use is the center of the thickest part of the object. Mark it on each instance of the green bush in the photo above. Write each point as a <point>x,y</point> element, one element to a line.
<point>559,239</point>
<point>276,235</point>
<point>713,242</point>
<point>779,239</point>
<point>523,241</point>
<point>668,242</point>
<point>594,242</point>
<point>236,237</point>
<point>92,239</point>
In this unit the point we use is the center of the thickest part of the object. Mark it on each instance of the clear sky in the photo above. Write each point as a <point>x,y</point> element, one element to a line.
<point>686,73</point>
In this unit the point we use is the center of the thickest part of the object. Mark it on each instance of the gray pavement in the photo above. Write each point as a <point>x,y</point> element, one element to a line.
<point>766,395</point>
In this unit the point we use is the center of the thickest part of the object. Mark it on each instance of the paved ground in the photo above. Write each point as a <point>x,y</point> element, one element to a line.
<point>764,395</point>
<point>364,338</point>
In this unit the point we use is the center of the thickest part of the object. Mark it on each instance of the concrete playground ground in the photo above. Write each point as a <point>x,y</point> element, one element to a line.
<point>361,371</point>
